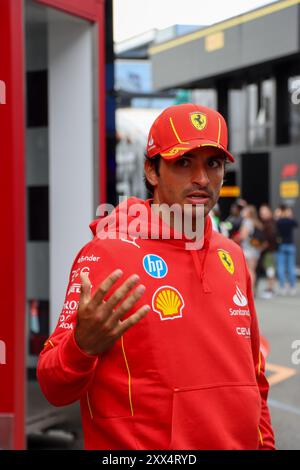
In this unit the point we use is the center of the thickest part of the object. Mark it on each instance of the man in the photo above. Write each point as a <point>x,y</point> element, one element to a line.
<point>163,352</point>
<point>234,221</point>
<point>286,253</point>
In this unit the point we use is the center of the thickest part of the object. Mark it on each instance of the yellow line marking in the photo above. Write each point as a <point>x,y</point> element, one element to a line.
<point>259,362</point>
<point>224,25</point>
<point>173,151</point>
<point>208,145</point>
<point>279,374</point>
<point>129,376</point>
<point>260,437</point>
<point>219,131</point>
<point>89,405</point>
<point>175,132</point>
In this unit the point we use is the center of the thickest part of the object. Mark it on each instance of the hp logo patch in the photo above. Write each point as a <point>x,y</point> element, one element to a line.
<point>155,266</point>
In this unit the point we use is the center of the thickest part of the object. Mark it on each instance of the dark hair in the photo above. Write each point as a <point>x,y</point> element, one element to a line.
<point>155,162</point>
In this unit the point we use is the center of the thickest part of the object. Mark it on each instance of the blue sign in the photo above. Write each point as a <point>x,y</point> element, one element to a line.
<point>155,266</point>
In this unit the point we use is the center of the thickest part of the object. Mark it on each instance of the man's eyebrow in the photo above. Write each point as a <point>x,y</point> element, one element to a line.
<point>190,155</point>
<point>219,157</point>
<point>186,155</point>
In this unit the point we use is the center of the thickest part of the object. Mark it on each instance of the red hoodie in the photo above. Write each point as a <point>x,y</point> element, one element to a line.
<point>190,374</point>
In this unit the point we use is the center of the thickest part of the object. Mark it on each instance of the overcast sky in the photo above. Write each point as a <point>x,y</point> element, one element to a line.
<point>132,17</point>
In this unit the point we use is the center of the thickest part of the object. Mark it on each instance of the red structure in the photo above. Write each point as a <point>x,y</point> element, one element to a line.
<point>12,184</point>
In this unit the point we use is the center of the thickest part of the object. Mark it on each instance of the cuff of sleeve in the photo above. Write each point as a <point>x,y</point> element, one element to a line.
<point>76,357</point>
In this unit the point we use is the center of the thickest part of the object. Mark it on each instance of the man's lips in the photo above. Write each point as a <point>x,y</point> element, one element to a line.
<point>198,197</point>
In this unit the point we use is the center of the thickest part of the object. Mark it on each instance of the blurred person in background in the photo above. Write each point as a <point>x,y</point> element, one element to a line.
<point>286,254</point>
<point>268,254</point>
<point>252,239</point>
<point>234,220</point>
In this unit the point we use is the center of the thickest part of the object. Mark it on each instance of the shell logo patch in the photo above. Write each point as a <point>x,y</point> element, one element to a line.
<point>226,260</point>
<point>198,120</point>
<point>168,303</point>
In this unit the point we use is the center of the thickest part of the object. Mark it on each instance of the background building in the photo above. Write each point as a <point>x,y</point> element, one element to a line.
<point>252,65</point>
<point>138,104</point>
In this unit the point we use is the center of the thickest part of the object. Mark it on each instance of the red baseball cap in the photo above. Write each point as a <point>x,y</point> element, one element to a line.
<point>184,127</point>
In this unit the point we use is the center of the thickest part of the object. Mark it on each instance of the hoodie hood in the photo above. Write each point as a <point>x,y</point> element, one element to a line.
<point>134,218</point>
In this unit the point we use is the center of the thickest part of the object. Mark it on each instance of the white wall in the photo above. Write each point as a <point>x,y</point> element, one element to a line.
<point>70,149</point>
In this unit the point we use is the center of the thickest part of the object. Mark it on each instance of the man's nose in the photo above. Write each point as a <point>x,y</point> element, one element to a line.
<point>200,177</point>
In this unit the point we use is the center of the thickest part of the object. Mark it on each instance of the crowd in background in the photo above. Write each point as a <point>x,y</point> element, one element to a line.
<point>267,240</point>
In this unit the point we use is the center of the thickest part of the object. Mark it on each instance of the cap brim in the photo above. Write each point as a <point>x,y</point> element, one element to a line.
<point>177,151</point>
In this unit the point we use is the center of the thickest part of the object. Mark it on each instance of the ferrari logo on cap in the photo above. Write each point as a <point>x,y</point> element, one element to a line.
<point>226,260</point>
<point>168,303</point>
<point>198,120</point>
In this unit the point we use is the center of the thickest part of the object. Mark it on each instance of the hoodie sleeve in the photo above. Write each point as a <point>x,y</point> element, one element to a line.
<point>265,431</point>
<point>64,371</point>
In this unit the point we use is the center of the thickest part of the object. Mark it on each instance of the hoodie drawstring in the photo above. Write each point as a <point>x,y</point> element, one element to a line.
<point>200,267</point>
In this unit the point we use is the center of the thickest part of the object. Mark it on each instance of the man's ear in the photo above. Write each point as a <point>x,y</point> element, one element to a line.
<point>150,173</point>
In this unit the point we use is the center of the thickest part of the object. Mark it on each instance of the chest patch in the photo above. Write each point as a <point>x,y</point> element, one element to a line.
<point>168,303</point>
<point>226,260</point>
<point>155,266</point>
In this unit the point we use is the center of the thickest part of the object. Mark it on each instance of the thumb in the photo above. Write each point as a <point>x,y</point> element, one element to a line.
<point>86,286</point>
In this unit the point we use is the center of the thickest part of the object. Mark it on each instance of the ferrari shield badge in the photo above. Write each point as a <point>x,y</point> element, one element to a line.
<point>226,260</point>
<point>198,120</point>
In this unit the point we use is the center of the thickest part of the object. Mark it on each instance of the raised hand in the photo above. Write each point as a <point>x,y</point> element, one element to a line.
<point>99,322</point>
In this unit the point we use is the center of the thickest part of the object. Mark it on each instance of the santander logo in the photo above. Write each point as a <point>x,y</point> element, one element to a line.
<point>151,143</point>
<point>239,298</point>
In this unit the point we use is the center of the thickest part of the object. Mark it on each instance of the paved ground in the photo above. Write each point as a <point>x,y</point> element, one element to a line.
<point>279,322</point>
